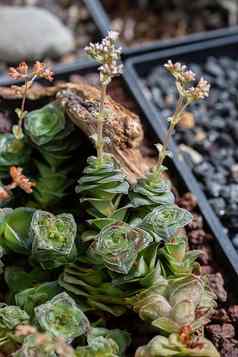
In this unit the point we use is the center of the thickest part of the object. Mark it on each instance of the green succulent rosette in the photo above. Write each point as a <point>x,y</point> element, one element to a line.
<point>161,346</point>
<point>53,239</point>
<point>14,229</point>
<point>118,246</point>
<point>13,152</point>
<point>163,222</point>
<point>178,260</point>
<point>48,129</point>
<point>149,193</point>
<point>42,125</point>
<point>29,298</point>
<point>62,317</point>
<point>101,188</point>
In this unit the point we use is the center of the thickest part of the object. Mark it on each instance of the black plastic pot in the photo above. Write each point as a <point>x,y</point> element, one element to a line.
<point>102,19</point>
<point>185,181</point>
<point>138,68</point>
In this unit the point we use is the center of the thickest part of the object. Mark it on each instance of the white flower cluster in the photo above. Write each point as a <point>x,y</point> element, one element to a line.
<point>180,72</point>
<point>108,55</point>
<point>183,77</point>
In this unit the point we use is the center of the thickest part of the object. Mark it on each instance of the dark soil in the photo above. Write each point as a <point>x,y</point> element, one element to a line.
<point>75,15</point>
<point>141,22</point>
<point>208,137</point>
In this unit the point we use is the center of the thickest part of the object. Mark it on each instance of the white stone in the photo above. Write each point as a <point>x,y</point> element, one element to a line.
<point>31,33</point>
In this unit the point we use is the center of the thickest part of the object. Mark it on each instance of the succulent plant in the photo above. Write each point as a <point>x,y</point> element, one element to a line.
<point>53,238</point>
<point>99,347</point>
<point>104,343</point>
<point>18,279</point>
<point>37,344</point>
<point>30,347</point>
<point>29,298</point>
<point>92,288</point>
<point>178,259</point>
<point>163,222</point>
<point>151,192</point>
<point>101,187</point>
<point>121,337</point>
<point>161,346</point>
<point>14,229</point>
<point>118,246</point>
<point>13,152</point>
<point>62,317</point>
<point>10,317</point>
<point>55,139</point>
<point>185,301</point>
<point>51,185</point>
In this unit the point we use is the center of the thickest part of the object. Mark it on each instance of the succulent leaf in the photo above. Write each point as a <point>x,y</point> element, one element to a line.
<point>163,222</point>
<point>118,246</point>
<point>15,225</point>
<point>62,317</point>
<point>53,238</point>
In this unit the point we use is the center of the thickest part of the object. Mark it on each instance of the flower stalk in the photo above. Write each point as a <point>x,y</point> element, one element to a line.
<point>108,55</point>
<point>187,95</point>
<point>22,72</point>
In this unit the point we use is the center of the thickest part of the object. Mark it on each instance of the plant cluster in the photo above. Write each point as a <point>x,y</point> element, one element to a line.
<point>129,256</point>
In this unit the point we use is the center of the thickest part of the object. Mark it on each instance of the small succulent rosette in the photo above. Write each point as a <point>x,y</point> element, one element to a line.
<point>62,317</point>
<point>118,246</point>
<point>53,239</point>
<point>48,129</point>
<point>151,192</point>
<point>42,125</point>
<point>163,222</point>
